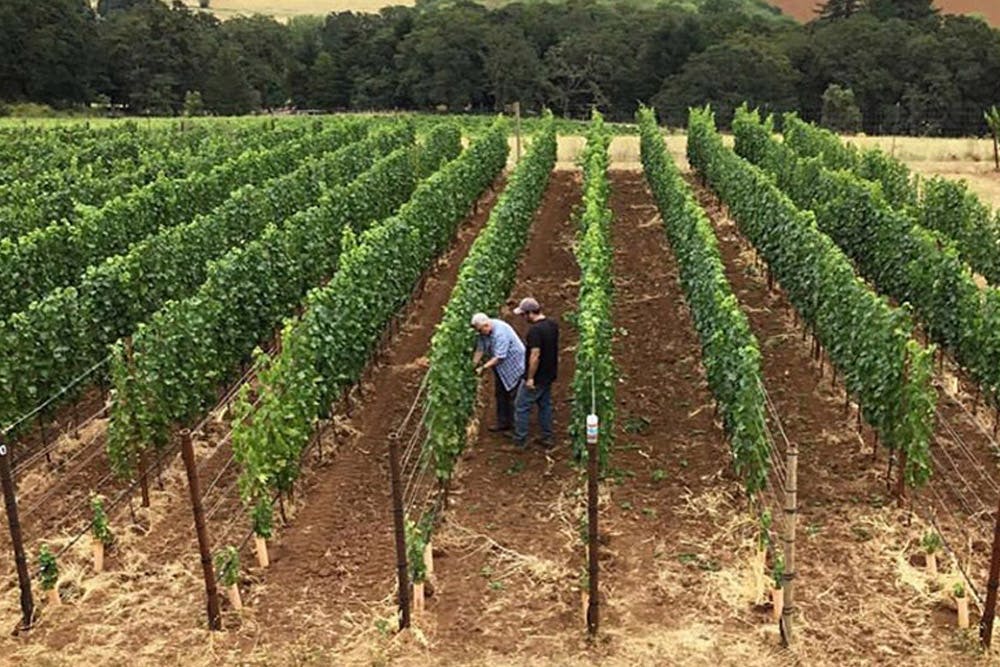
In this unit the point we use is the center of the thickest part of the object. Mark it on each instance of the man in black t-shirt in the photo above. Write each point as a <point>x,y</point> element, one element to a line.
<point>541,366</point>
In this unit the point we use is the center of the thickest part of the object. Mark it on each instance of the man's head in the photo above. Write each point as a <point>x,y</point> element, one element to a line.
<point>481,323</point>
<point>529,309</point>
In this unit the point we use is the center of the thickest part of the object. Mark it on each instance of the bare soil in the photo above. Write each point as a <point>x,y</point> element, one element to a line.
<point>327,567</point>
<point>678,582</point>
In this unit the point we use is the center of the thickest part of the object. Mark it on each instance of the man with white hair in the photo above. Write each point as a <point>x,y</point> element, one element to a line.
<point>499,344</point>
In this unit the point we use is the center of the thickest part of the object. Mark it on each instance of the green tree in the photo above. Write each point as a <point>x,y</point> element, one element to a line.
<point>47,51</point>
<point>264,54</point>
<point>908,10</point>
<point>326,87</point>
<point>228,91</point>
<point>513,69</point>
<point>840,110</point>
<point>838,9</point>
<point>744,69</point>
<point>441,60</point>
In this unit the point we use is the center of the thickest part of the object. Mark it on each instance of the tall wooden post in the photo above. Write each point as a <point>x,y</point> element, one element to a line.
<point>593,609</point>
<point>990,606</point>
<point>14,523</point>
<point>211,589</point>
<point>400,530</point>
<point>791,519</point>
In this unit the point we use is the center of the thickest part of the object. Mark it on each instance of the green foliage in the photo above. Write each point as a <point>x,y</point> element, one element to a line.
<point>931,542</point>
<point>595,376</point>
<point>48,568</point>
<point>58,254</point>
<point>99,523</point>
<point>777,571</point>
<point>189,346</point>
<point>262,518</point>
<point>944,206</point>
<point>866,338</point>
<point>920,267</point>
<point>764,534</point>
<point>417,537</point>
<point>227,566</point>
<point>484,280</point>
<point>730,352</point>
<point>326,350</point>
<point>958,590</point>
<point>952,209</point>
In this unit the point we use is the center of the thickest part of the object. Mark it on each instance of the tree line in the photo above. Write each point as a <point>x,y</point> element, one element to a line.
<point>878,66</point>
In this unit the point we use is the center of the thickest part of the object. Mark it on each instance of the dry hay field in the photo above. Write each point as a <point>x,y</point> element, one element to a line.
<point>802,10</point>
<point>284,9</point>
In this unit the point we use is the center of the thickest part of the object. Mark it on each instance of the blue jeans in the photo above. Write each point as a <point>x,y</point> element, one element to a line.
<point>526,399</point>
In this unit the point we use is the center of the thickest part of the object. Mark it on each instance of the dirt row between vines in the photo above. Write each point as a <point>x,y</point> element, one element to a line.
<point>863,599</point>
<point>149,605</point>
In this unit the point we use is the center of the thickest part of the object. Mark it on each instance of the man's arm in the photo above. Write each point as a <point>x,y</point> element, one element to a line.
<point>533,359</point>
<point>491,363</point>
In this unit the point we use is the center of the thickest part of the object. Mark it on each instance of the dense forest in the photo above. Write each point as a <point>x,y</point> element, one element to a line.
<point>877,66</point>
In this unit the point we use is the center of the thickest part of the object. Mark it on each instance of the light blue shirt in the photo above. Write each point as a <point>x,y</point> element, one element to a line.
<point>504,344</point>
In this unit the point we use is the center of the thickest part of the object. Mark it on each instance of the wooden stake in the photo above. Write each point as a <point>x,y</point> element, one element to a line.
<point>990,606</point>
<point>399,526</point>
<point>208,569</point>
<point>593,610</point>
<point>787,622</point>
<point>14,524</point>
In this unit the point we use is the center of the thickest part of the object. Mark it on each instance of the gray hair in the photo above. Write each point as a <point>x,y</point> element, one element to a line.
<point>479,319</point>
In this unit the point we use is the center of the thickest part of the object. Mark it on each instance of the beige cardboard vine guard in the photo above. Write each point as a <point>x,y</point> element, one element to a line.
<point>778,602</point>
<point>233,593</point>
<point>962,603</point>
<point>98,547</point>
<point>54,598</point>
<point>418,597</point>
<point>429,559</point>
<point>261,548</point>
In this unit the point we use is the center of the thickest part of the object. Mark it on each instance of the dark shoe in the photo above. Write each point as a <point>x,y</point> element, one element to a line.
<point>498,428</point>
<point>547,444</point>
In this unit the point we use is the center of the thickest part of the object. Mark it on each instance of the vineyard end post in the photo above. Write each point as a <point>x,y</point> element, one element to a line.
<point>399,527</point>
<point>990,606</point>
<point>593,609</point>
<point>204,548</point>
<point>14,523</point>
<point>791,520</point>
